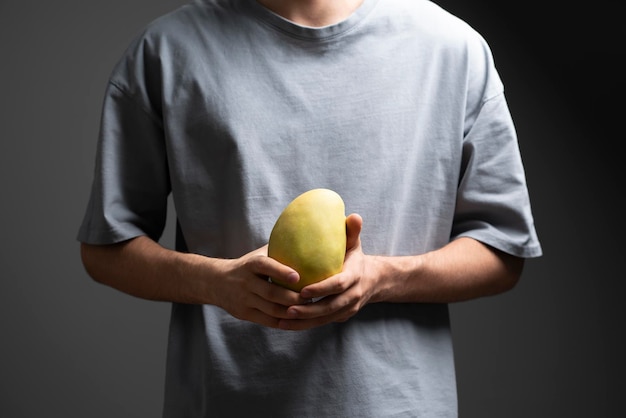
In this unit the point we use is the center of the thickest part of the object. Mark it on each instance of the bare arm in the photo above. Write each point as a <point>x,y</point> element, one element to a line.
<point>143,268</point>
<point>462,270</point>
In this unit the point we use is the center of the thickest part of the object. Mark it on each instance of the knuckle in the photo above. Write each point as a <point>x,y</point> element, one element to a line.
<point>253,263</point>
<point>341,283</point>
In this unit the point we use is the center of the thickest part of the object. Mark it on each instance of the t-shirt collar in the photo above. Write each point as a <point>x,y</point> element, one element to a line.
<point>306,32</point>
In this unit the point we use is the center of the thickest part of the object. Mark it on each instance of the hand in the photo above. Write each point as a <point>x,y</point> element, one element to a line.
<point>343,294</point>
<point>245,292</point>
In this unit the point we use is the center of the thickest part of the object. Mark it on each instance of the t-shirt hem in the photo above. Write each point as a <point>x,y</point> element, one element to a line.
<point>107,236</point>
<point>518,250</point>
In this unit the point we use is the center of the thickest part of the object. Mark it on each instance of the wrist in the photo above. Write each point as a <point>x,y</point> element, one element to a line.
<point>378,268</point>
<point>200,276</point>
<point>392,276</point>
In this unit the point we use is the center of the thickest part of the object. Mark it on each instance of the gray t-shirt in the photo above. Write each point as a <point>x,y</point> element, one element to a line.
<point>236,111</point>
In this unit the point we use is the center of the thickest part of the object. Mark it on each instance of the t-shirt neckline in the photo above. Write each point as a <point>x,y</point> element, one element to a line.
<point>307,32</point>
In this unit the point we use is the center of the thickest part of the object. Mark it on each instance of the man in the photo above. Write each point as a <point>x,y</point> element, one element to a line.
<point>236,107</point>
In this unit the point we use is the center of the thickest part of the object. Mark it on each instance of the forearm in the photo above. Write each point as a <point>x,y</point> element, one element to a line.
<point>462,270</point>
<point>142,268</point>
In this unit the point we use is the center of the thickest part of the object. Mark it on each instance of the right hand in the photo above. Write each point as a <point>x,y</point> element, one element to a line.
<point>243,289</point>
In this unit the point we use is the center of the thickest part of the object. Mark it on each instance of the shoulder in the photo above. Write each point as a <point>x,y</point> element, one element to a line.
<point>167,44</point>
<point>185,22</point>
<point>191,23</point>
<point>434,25</point>
<point>447,37</point>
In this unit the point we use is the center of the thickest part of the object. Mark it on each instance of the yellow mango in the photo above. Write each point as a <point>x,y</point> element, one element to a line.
<point>310,237</point>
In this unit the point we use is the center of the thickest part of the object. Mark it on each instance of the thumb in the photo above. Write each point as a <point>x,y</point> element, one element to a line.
<point>354,224</point>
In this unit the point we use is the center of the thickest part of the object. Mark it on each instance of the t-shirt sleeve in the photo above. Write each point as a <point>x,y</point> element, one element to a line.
<point>493,204</point>
<point>131,182</point>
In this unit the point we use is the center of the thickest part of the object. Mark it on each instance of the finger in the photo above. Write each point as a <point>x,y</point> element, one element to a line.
<point>333,285</point>
<point>354,225</point>
<point>261,318</point>
<point>279,295</point>
<point>254,306</point>
<point>276,310</point>
<point>330,306</point>
<point>265,266</point>
<point>301,317</point>
<point>315,315</point>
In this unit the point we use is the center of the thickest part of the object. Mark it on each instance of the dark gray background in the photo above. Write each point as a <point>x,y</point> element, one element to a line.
<point>550,348</point>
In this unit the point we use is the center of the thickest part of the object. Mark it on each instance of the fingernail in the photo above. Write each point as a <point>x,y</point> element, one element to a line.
<point>293,277</point>
<point>292,313</point>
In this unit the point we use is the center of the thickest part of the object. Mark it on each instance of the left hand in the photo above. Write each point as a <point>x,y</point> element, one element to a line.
<point>343,294</point>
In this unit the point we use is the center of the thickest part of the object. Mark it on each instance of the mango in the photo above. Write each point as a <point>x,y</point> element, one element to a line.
<point>310,237</point>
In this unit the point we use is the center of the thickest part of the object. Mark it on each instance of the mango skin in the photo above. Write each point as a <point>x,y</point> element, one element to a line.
<point>310,237</point>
